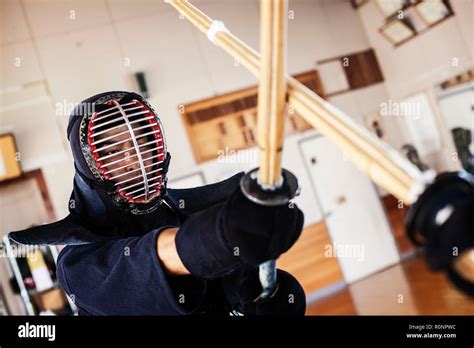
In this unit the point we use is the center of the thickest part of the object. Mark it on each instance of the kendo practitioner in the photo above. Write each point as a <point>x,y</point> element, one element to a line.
<point>136,247</point>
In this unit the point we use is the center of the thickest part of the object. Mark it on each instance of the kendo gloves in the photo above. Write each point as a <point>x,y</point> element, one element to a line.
<point>238,232</point>
<point>242,287</point>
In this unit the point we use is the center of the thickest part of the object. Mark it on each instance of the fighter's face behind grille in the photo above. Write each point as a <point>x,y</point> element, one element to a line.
<point>124,144</point>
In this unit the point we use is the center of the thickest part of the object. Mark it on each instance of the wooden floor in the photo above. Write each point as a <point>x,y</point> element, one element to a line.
<point>408,288</point>
<point>308,255</point>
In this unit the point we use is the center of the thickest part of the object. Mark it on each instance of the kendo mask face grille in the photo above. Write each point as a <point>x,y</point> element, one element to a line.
<point>124,145</point>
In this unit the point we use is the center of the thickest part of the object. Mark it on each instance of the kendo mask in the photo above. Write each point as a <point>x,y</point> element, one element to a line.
<point>123,149</point>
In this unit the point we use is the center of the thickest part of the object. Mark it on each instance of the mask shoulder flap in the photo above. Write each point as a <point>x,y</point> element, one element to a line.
<point>192,200</point>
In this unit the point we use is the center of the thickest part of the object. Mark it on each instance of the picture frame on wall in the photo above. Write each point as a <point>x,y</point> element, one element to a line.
<point>433,11</point>
<point>397,31</point>
<point>390,7</point>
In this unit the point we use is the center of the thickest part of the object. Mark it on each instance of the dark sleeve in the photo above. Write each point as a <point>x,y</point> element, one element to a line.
<point>124,277</point>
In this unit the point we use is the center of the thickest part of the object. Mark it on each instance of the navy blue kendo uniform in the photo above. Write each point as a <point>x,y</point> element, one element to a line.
<point>125,276</point>
<point>110,265</point>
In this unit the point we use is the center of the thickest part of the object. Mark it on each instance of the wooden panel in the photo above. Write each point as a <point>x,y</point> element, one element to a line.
<point>231,97</point>
<point>433,293</point>
<point>363,69</point>
<point>307,262</point>
<point>388,293</point>
<point>428,293</point>
<point>230,120</point>
<point>339,303</point>
<point>311,80</point>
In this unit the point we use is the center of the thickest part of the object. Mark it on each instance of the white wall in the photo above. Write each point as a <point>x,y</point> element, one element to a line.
<point>427,59</point>
<point>72,49</point>
<point>322,29</point>
<point>423,62</point>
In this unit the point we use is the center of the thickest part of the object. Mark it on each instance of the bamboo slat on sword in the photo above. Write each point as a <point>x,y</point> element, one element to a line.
<point>264,104</point>
<point>382,164</point>
<point>271,112</point>
<point>271,92</point>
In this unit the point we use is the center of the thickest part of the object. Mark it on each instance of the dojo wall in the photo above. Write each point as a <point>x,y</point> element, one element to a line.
<point>71,50</point>
<point>420,64</point>
<point>56,53</point>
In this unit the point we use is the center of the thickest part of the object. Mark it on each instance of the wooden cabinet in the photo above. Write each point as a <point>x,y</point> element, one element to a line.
<point>350,72</point>
<point>363,69</point>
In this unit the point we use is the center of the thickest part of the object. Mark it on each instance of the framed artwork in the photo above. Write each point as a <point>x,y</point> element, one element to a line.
<point>397,31</point>
<point>433,11</point>
<point>229,121</point>
<point>390,7</point>
<point>9,166</point>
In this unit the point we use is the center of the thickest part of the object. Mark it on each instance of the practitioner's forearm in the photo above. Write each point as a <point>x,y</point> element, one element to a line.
<point>166,248</point>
